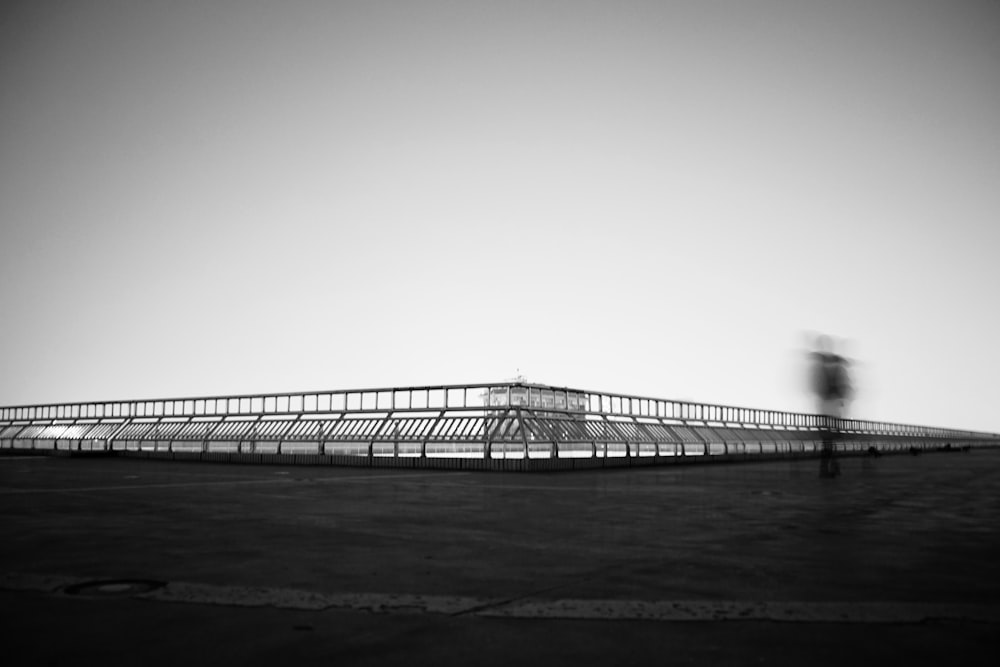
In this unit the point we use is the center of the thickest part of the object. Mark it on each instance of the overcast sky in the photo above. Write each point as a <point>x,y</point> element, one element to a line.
<point>656,198</point>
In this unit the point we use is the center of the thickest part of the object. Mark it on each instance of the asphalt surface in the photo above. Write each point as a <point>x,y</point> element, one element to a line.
<point>124,561</point>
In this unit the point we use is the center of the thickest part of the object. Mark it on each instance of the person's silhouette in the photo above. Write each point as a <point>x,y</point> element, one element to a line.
<point>832,386</point>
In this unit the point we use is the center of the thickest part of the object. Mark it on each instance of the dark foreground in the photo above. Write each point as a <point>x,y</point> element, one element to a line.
<point>897,560</point>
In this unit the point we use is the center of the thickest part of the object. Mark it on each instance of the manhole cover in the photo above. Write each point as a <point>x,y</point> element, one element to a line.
<point>114,588</point>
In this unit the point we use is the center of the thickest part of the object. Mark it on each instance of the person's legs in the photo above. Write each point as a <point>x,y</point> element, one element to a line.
<point>828,465</point>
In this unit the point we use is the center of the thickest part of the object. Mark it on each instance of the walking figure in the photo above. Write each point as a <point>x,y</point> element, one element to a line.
<point>832,385</point>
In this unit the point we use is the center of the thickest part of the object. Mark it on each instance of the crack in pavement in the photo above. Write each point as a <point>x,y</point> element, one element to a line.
<point>527,606</point>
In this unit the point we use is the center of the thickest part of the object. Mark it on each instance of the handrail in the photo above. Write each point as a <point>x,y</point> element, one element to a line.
<point>479,396</point>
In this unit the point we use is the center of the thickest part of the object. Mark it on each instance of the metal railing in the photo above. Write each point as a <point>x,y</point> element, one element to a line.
<point>474,420</point>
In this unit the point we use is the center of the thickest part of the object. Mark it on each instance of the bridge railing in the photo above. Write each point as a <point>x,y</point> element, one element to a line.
<point>485,400</point>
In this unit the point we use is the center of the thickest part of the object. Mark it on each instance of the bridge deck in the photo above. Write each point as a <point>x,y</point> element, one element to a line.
<point>895,560</point>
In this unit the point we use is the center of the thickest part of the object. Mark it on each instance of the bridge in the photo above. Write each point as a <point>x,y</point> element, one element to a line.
<point>896,560</point>
<point>491,426</point>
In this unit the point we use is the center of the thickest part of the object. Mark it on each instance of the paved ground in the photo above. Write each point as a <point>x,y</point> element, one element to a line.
<point>762,563</point>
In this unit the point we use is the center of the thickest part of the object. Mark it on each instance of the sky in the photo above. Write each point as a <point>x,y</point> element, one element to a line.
<point>653,198</point>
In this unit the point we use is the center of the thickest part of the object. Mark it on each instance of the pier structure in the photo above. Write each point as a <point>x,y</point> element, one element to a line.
<point>501,426</point>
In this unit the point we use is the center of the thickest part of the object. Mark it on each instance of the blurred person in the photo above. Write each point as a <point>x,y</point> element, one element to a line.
<point>831,383</point>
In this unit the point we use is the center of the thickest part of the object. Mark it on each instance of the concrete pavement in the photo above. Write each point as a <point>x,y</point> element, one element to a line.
<point>738,564</point>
